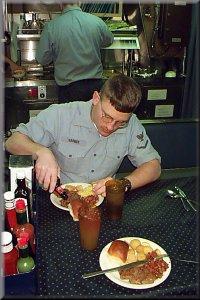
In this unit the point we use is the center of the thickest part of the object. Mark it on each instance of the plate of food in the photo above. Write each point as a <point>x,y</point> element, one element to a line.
<point>129,249</point>
<point>77,193</point>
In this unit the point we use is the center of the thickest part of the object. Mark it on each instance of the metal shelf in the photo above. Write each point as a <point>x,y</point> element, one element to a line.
<point>124,42</point>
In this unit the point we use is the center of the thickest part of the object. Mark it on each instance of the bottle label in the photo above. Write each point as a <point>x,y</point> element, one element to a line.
<point>26,204</point>
<point>6,248</point>
<point>9,204</point>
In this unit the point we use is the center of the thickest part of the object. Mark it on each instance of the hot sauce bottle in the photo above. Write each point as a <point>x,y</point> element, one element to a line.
<point>23,226</point>
<point>23,192</point>
<point>10,213</point>
<point>10,254</point>
<point>25,262</point>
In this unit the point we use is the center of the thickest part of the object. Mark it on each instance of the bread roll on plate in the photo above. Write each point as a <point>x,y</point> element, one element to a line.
<point>118,250</point>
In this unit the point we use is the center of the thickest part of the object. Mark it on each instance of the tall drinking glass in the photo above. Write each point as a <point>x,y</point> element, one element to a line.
<point>89,226</point>
<point>114,198</point>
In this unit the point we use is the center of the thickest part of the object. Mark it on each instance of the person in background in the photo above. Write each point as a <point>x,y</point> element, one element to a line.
<point>73,42</point>
<point>87,141</point>
<point>13,66</point>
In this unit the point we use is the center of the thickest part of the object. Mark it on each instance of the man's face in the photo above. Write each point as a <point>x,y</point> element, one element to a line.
<point>106,118</point>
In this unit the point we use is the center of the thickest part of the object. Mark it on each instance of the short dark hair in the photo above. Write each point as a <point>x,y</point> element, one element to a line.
<point>123,92</point>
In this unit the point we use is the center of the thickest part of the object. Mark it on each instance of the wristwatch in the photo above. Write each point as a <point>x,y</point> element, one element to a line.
<point>127,184</point>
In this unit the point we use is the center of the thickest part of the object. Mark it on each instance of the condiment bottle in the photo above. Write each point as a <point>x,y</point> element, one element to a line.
<point>25,262</point>
<point>10,213</point>
<point>23,192</point>
<point>24,226</point>
<point>10,254</point>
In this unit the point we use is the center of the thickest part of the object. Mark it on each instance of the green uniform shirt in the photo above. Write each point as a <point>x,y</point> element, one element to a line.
<point>72,41</point>
<point>82,154</point>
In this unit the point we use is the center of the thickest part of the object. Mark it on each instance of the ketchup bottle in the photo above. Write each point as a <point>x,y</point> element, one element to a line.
<point>10,213</point>
<point>23,192</point>
<point>10,254</point>
<point>23,226</point>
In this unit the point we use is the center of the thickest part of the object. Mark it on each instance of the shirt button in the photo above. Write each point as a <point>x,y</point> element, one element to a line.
<point>92,171</point>
<point>70,155</point>
<point>118,156</point>
<point>95,154</point>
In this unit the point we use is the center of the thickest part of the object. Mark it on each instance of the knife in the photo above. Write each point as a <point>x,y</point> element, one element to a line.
<point>126,266</point>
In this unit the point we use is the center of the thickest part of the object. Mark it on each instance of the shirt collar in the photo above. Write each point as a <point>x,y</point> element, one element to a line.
<point>65,10</point>
<point>84,115</point>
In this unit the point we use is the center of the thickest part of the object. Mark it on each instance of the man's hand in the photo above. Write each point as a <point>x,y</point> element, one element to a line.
<point>16,67</point>
<point>47,169</point>
<point>99,186</point>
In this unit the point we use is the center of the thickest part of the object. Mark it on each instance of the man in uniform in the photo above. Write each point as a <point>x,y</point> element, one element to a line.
<point>87,141</point>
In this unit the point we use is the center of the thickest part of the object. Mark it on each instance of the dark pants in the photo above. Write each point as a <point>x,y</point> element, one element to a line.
<point>81,90</point>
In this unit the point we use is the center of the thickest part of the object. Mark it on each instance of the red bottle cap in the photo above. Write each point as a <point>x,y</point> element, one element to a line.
<point>20,204</point>
<point>24,235</point>
<point>21,242</point>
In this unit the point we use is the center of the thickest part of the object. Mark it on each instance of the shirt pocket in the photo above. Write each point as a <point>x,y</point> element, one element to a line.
<point>73,158</point>
<point>114,159</point>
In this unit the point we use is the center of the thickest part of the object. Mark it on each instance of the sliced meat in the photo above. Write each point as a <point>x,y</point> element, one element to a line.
<point>64,202</point>
<point>74,207</point>
<point>147,273</point>
<point>91,199</point>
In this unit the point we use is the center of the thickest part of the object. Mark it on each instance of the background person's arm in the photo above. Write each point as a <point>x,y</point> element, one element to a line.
<point>46,166</point>
<point>13,66</point>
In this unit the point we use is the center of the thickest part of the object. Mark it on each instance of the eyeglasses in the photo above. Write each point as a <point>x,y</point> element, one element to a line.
<point>108,119</point>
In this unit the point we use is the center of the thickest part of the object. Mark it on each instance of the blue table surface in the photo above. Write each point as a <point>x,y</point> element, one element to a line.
<point>147,213</point>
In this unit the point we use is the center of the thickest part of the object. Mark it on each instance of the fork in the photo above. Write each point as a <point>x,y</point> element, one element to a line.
<point>183,195</point>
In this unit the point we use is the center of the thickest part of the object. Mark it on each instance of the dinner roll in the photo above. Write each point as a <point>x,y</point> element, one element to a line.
<point>119,250</point>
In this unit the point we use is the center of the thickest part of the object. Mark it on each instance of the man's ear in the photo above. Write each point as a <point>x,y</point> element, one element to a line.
<point>95,97</point>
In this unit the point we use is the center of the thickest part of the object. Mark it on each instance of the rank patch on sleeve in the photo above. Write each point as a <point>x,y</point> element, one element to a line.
<point>144,146</point>
<point>140,136</point>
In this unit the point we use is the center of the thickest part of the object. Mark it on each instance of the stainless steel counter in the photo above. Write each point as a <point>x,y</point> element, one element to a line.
<point>9,83</point>
<point>26,98</point>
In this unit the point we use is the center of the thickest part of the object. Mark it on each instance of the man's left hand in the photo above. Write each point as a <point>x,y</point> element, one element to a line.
<point>99,186</point>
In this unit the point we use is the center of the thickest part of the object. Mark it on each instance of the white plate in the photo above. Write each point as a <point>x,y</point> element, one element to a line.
<point>56,200</point>
<point>106,262</point>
